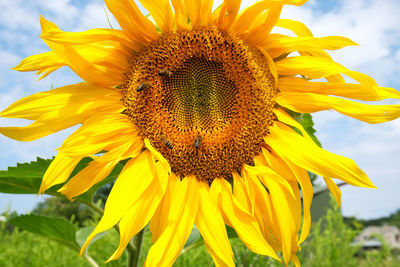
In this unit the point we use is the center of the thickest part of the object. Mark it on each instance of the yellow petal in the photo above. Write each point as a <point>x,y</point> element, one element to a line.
<point>348,90</point>
<point>276,163</point>
<point>94,173</point>
<point>90,36</point>
<point>288,120</point>
<point>58,172</point>
<point>307,193</point>
<point>199,11</point>
<point>58,109</point>
<point>243,222</point>
<point>241,190</point>
<point>258,35</point>
<point>263,170</point>
<point>161,12</point>
<point>306,154</point>
<point>248,16</point>
<point>271,64</point>
<point>101,64</point>
<point>45,63</point>
<point>157,154</point>
<point>231,8</point>
<point>278,45</point>
<point>133,180</point>
<point>297,27</point>
<point>142,210</point>
<point>308,103</point>
<point>295,260</point>
<point>34,106</point>
<point>211,225</point>
<point>180,14</point>
<point>282,200</point>
<point>332,186</point>
<point>103,132</point>
<point>312,67</point>
<point>264,211</point>
<point>180,217</point>
<point>136,25</point>
<point>158,223</point>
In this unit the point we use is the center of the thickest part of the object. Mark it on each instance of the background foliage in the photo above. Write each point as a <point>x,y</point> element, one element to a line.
<point>329,244</point>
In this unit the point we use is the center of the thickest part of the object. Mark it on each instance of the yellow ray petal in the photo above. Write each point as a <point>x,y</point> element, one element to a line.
<point>58,171</point>
<point>89,36</point>
<point>306,154</point>
<point>297,27</point>
<point>264,211</point>
<point>94,173</point>
<point>44,63</point>
<point>212,228</point>
<point>158,222</point>
<point>307,193</point>
<point>301,30</point>
<point>282,199</point>
<point>157,154</point>
<point>278,45</point>
<point>141,212</point>
<point>295,260</point>
<point>271,64</point>
<point>34,106</point>
<point>129,186</point>
<point>258,35</point>
<point>123,150</point>
<point>180,14</point>
<point>348,90</point>
<point>264,170</point>
<point>161,12</point>
<point>58,109</point>
<point>102,132</point>
<point>248,16</point>
<point>132,21</point>
<point>241,190</point>
<point>231,8</point>
<point>94,63</point>
<point>199,11</point>
<point>288,120</point>
<point>308,103</point>
<point>312,67</point>
<point>243,222</point>
<point>180,217</point>
<point>275,163</point>
<point>332,186</point>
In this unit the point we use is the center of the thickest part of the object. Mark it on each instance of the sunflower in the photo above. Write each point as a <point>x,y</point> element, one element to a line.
<point>197,102</point>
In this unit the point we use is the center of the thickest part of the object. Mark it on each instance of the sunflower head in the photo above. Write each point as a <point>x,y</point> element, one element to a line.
<point>194,102</point>
<point>203,98</point>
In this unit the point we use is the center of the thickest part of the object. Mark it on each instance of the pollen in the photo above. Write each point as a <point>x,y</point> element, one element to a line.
<point>203,98</point>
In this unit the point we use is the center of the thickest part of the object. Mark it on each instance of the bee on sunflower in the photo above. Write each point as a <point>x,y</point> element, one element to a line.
<point>197,101</point>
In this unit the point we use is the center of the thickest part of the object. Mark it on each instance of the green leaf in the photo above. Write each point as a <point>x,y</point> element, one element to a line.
<point>308,124</point>
<point>56,229</point>
<point>30,170</point>
<point>26,178</point>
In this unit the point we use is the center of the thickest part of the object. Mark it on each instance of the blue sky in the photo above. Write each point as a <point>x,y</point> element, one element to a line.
<point>372,24</point>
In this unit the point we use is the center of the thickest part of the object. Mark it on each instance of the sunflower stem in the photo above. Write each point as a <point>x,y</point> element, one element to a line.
<point>90,260</point>
<point>134,254</point>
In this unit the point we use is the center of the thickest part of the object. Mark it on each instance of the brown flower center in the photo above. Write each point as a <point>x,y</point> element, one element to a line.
<point>203,98</point>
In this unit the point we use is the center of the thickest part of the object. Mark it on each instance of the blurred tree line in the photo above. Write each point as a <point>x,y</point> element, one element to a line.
<point>357,224</point>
